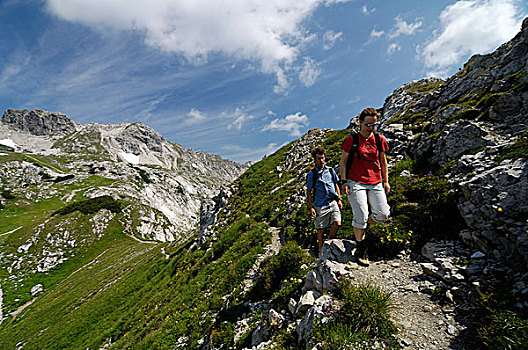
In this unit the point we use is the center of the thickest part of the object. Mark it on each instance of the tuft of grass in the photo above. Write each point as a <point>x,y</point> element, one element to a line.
<point>7,194</point>
<point>426,87</point>
<point>499,324</point>
<point>516,151</point>
<point>362,319</point>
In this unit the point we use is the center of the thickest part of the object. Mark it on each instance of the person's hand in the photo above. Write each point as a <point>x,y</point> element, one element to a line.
<point>312,212</point>
<point>386,187</point>
<point>345,189</point>
<point>340,204</point>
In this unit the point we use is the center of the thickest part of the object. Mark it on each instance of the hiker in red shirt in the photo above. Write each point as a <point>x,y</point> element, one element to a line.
<point>364,178</point>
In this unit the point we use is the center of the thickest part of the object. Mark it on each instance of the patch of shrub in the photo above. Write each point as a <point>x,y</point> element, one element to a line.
<point>7,194</point>
<point>91,206</point>
<point>144,176</point>
<point>276,271</point>
<point>422,207</point>
<point>362,320</point>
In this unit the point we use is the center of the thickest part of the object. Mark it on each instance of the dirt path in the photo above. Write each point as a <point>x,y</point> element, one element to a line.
<point>8,232</point>
<point>271,249</point>
<point>422,323</point>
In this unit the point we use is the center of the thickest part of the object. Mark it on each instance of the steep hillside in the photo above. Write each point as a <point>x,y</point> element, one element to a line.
<point>245,278</point>
<point>69,193</point>
<point>221,293</point>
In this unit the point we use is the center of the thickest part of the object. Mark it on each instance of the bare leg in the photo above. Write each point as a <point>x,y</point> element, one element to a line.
<point>334,229</point>
<point>320,233</point>
<point>359,233</point>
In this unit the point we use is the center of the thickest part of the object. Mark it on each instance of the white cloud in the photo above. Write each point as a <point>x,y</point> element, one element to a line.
<point>243,154</point>
<point>393,48</point>
<point>269,32</point>
<point>366,11</point>
<point>376,34</point>
<point>309,72</point>
<point>240,119</point>
<point>330,38</point>
<point>403,28</point>
<point>195,116</point>
<point>469,27</point>
<point>282,81</point>
<point>291,123</point>
<point>331,2</point>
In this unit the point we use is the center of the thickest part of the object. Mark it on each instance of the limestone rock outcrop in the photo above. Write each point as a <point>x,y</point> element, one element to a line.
<point>39,122</point>
<point>474,124</point>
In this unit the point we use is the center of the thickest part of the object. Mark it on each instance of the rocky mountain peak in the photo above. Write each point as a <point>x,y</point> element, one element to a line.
<point>38,122</point>
<point>139,133</point>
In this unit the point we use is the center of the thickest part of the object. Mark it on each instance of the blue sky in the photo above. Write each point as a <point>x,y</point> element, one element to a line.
<point>239,78</point>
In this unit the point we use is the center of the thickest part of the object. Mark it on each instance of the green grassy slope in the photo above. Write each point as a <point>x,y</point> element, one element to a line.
<point>127,294</point>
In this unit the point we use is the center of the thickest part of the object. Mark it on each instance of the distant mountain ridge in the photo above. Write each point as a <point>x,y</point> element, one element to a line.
<point>174,180</point>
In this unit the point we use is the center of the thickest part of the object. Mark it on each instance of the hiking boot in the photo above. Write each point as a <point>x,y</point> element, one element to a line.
<point>363,261</point>
<point>361,254</point>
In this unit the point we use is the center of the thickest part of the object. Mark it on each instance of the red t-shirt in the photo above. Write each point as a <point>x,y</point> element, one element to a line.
<point>366,169</point>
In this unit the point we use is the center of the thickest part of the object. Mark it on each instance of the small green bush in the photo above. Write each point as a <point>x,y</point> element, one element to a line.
<point>422,207</point>
<point>91,206</point>
<point>7,194</point>
<point>278,271</point>
<point>144,176</point>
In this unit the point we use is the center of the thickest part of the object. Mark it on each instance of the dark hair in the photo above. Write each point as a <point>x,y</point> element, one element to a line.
<point>368,112</point>
<point>318,150</point>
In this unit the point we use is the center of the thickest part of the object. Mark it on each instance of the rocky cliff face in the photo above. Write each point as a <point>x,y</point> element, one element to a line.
<point>475,125</point>
<point>39,122</point>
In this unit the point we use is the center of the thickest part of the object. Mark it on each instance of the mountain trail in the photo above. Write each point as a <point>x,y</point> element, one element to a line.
<point>8,232</point>
<point>422,323</point>
<point>270,250</point>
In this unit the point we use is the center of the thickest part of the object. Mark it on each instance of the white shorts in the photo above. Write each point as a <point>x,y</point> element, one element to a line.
<point>327,215</point>
<point>361,196</point>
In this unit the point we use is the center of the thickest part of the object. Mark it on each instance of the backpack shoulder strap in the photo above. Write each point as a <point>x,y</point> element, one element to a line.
<point>353,149</point>
<point>332,173</point>
<point>314,177</point>
<point>379,147</point>
<point>315,174</point>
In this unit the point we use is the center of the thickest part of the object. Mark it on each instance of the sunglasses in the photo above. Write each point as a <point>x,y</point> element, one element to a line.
<point>370,125</point>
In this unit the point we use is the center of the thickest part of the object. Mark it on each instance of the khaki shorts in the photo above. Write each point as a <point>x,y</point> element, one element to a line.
<point>326,216</point>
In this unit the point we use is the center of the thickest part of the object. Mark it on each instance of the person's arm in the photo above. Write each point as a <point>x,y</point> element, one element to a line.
<point>339,202</point>
<point>309,200</point>
<point>342,172</point>
<point>385,172</point>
